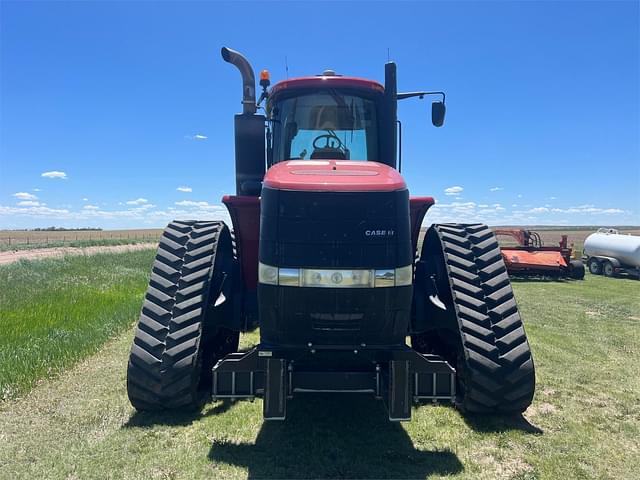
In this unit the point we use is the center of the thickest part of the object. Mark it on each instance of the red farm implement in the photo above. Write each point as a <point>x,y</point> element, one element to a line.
<point>530,257</point>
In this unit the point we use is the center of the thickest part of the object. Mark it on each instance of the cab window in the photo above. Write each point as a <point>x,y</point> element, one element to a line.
<point>326,124</point>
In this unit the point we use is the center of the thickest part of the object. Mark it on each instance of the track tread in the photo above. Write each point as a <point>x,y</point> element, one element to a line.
<point>498,367</point>
<point>163,370</point>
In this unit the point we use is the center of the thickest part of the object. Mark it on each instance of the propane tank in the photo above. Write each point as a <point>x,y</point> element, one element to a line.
<point>607,242</point>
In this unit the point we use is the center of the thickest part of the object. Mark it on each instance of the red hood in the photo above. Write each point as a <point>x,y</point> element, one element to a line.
<point>333,175</point>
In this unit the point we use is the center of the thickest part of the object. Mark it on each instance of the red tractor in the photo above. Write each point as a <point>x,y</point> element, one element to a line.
<point>530,257</point>
<point>322,257</point>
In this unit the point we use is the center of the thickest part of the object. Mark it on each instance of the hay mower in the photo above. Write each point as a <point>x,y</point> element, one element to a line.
<point>530,257</point>
<point>322,257</point>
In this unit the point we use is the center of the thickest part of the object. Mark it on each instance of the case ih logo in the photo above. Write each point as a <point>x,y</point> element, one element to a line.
<point>379,233</point>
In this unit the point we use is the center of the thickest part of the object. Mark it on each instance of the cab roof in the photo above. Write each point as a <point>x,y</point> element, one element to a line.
<point>326,81</point>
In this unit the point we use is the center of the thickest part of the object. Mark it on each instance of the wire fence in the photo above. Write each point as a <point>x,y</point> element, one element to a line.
<point>44,238</point>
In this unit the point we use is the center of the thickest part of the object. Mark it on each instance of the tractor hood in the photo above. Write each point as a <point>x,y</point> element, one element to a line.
<point>334,176</point>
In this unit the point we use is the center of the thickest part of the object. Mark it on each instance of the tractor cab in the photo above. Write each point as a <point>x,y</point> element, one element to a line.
<point>328,117</point>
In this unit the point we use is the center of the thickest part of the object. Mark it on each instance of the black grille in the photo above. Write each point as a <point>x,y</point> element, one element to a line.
<point>335,229</point>
<point>336,322</point>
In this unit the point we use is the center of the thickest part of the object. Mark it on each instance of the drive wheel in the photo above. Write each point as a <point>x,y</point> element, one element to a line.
<point>178,337</point>
<point>595,268</point>
<point>481,331</point>
<point>576,270</point>
<point>607,269</point>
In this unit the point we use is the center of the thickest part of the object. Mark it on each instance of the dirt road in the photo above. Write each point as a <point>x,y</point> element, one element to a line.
<point>36,254</point>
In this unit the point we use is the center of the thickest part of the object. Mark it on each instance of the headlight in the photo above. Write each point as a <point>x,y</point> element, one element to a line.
<point>404,276</point>
<point>267,274</point>
<point>336,278</point>
<point>332,278</point>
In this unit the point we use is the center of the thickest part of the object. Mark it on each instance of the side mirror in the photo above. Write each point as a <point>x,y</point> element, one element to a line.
<point>438,109</point>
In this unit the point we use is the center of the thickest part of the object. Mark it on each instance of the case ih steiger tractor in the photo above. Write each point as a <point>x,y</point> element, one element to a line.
<point>323,258</point>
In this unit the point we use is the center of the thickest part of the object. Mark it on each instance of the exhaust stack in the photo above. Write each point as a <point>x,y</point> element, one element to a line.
<point>248,79</point>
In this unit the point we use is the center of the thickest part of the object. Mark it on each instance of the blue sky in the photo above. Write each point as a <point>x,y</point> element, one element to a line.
<point>129,102</point>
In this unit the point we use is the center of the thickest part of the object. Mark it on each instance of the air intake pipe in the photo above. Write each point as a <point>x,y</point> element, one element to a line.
<point>248,79</point>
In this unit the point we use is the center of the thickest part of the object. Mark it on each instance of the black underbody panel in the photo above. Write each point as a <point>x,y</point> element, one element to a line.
<point>297,316</point>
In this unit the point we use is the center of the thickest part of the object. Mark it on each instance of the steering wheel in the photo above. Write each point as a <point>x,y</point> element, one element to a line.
<point>331,141</point>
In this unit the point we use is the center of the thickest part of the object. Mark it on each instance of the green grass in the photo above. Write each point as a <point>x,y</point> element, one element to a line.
<point>75,243</point>
<point>584,422</point>
<point>56,311</point>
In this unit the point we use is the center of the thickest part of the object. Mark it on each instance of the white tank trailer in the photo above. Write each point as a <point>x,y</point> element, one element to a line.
<point>607,252</point>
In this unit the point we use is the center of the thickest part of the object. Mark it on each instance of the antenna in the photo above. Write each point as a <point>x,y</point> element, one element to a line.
<point>388,55</point>
<point>286,66</point>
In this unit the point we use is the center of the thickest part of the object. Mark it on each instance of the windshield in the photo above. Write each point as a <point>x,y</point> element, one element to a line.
<point>327,124</point>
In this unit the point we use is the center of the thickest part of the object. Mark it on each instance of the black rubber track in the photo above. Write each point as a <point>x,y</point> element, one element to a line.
<point>494,362</point>
<point>176,333</point>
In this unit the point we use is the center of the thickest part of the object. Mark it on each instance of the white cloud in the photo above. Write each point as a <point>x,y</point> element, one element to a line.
<point>495,189</point>
<point>458,205</point>
<point>29,203</point>
<point>54,174</point>
<point>37,190</point>
<point>85,199</point>
<point>25,196</point>
<point>184,189</point>
<point>519,195</point>
<point>552,198</point>
<point>141,208</point>
<point>39,211</point>
<point>455,190</point>
<point>137,201</point>
<point>191,203</point>
<point>91,207</point>
<point>197,136</point>
<point>201,205</point>
<point>579,210</point>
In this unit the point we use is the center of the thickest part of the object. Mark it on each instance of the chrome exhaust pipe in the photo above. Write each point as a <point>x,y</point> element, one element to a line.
<point>248,78</point>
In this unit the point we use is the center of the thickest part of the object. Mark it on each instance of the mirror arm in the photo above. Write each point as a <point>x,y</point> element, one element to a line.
<point>402,96</point>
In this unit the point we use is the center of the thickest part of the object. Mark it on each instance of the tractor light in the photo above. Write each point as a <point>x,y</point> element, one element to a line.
<point>267,274</point>
<point>404,276</point>
<point>385,278</point>
<point>331,278</point>
<point>312,277</point>
<point>289,277</point>
<point>265,78</point>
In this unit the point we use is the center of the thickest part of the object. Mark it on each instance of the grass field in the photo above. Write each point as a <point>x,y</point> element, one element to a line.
<point>584,422</point>
<point>54,312</point>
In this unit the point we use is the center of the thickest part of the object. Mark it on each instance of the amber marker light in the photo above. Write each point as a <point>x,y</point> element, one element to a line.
<point>265,78</point>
